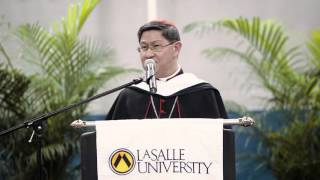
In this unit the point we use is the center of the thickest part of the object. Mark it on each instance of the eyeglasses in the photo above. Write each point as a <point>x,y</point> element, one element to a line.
<point>153,47</point>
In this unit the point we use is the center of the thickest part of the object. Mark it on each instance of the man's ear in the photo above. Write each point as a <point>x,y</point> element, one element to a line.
<point>177,46</point>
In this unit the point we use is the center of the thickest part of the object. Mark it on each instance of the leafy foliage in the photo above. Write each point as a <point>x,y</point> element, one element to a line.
<point>13,86</point>
<point>69,69</point>
<point>291,76</point>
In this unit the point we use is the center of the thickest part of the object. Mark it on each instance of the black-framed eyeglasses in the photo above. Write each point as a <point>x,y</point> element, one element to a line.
<point>153,47</point>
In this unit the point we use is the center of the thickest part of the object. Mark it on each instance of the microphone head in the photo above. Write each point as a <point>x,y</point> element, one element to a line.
<point>149,61</point>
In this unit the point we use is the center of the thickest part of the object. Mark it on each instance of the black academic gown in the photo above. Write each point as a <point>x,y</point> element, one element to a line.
<point>198,101</point>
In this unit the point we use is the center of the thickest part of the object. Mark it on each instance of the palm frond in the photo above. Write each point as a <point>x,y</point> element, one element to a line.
<point>314,48</point>
<point>72,24</point>
<point>266,38</point>
<point>13,85</point>
<point>6,56</point>
<point>266,52</point>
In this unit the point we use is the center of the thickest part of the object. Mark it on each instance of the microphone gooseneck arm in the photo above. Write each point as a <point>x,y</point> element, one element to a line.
<point>29,123</point>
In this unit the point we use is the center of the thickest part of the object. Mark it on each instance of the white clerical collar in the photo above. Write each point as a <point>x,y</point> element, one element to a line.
<point>172,75</point>
<point>176,84</point>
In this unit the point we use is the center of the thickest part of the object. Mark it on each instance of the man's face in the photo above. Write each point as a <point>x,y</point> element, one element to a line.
<point>154,46</point>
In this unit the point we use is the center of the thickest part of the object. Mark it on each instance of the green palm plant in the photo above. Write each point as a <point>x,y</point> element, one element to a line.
<point>291,76</point>
<point>13,86</point>
<point>69,69</point>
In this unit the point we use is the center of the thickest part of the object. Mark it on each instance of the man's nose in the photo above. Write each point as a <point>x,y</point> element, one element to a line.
<point>148,54</point>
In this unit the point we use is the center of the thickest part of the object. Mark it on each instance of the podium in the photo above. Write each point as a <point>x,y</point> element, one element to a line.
<point>89,155</point>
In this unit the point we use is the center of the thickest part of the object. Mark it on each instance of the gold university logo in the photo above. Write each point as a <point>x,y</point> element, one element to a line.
<point>122,161</point>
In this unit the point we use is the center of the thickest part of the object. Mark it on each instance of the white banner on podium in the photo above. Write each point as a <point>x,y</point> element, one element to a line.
<point>158,149</point>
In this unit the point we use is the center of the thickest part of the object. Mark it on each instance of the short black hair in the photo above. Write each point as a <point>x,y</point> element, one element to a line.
<point>168,29</point>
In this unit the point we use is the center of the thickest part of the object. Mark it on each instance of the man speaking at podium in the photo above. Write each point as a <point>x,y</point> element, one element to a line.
<point>168,92</point>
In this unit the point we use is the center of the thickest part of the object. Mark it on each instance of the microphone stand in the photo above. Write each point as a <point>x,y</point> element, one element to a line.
<point>36,122</point>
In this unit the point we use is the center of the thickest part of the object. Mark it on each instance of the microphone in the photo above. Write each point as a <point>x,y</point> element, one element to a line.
<point>149,66</point>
